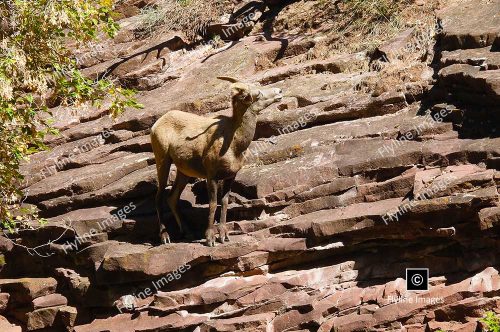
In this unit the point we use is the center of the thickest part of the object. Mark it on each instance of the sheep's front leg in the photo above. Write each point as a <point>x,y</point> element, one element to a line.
<point>226,189</point>
<point>212,195</point>
<point>163,168</point>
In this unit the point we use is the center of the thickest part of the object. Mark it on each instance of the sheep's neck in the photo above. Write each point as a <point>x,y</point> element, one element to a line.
<point>244,124</point>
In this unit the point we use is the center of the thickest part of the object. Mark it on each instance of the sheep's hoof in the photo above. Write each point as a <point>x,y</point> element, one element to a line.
<point>210,236</point>
<point>165,238</point>
<point>223,236</point>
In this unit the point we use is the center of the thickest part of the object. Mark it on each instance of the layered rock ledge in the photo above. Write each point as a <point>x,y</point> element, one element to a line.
<point>342,191</point>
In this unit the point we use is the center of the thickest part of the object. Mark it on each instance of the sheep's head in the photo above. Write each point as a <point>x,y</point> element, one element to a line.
<point>251,96</point>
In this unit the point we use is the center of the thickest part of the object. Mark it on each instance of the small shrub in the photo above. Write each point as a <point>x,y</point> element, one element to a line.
<point>491,322</point>
<point>217,42</point>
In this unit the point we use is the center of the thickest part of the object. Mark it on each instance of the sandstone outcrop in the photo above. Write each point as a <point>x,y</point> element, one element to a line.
<point>342,191</point>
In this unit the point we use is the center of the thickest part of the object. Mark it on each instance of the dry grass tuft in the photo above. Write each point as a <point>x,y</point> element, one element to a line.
<point>409,67</point>
<point>353,25</point>
<point>349,26</point>
<point>187,16</point>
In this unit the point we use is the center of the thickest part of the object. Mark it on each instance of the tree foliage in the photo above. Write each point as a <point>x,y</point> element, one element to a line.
<point>491,322</point>
<point>37,70</point>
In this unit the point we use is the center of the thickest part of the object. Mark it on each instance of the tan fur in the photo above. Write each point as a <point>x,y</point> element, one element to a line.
<point>208,148</point>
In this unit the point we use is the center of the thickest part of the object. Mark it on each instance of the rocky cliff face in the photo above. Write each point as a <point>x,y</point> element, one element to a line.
<point>351,179</point>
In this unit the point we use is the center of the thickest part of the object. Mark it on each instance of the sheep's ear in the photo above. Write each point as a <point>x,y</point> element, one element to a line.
<point>241,92</point>
<point>227,78</point>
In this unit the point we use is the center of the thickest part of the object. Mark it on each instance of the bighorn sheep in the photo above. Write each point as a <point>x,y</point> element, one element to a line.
<point>208,148</point>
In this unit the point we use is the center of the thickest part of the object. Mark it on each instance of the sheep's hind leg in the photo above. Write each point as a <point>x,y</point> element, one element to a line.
<point>163,169</point>
<point>212,195</point>
<point>180,183</point>
<point>226,189</point>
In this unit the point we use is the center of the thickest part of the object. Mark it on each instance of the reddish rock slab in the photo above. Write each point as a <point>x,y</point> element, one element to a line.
<point>253,260</point>
<point>368,309</point>
<point>392,290</point>
<point>475,57</point>
<point>436,182</point>
<point>342,299</point>
<point>51,300</point>
<point>485,281</point>
<point>6,326</point>
<point>415,327</point>
<point>326,223</point>
<point>336,64</point>
<point>143,262</point>
<point>127,262</point>
<point>317,278</point>
<point>213,291</point>
<point>288,320</point>
<point>258,322</point>
<point>395,48</point>
<point>326,326</point>
<point>280,246</point>
<point>55,318</point>
<point>471,307</point>
<point>460,151</point>
<point>290,144</point>
<point>311,314</point>
<point>469,24</point>
<point>87,179</point>
<point>247,226</point>
<point>338,107</point>
<point>353,322</point>
<point>41,318</point>
<point>328,201</point>
<point>84,220</point>
<point>67,316</point>
<point>144,322</point>
<point>61,157</point>
<point>452,326</point>
<point>475,200</point>
<point>283,302</point>
<point>372,294</point>
<point>398,186</point>
<point>354,217</point>
<point>263,181</point>
<point>489,217</point>
<point>262,294</point>
<point>136,184</point>
<point>470,84</point>
<point>25,290</point>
